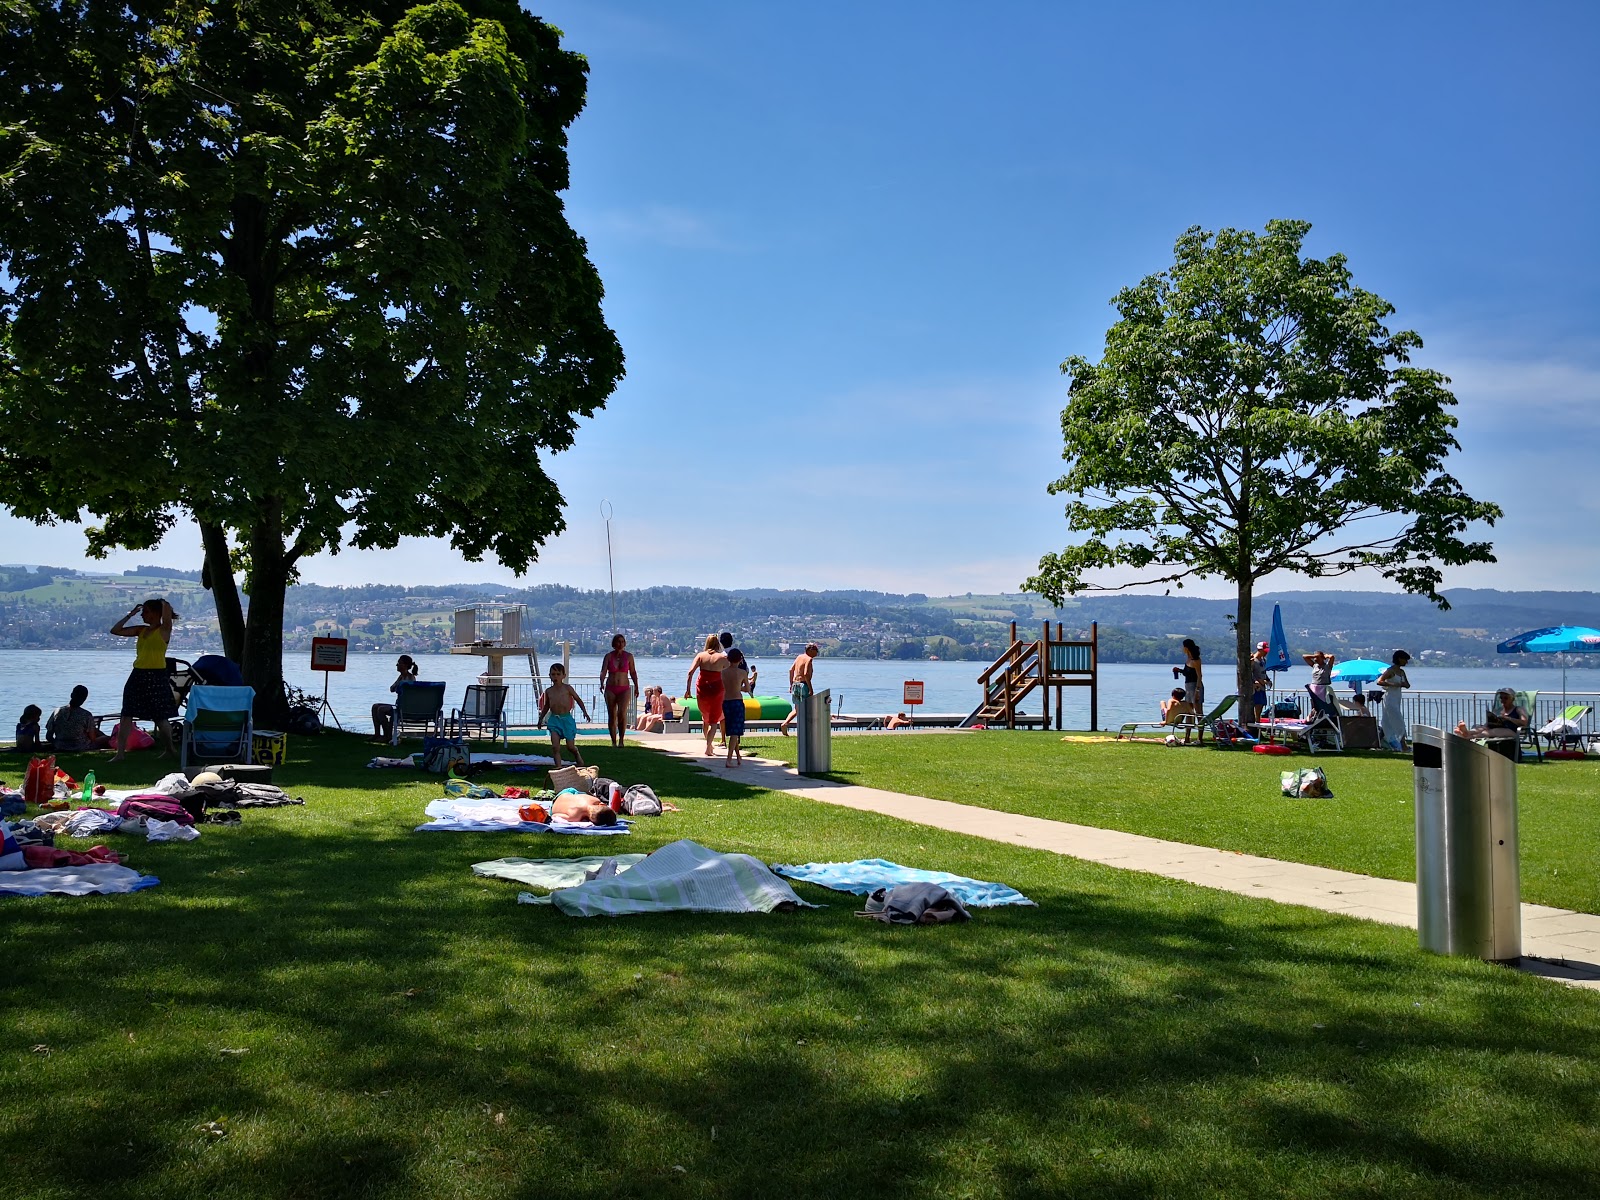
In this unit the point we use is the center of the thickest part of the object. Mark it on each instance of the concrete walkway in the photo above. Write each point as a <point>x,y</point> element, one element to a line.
<point>1556,942</point>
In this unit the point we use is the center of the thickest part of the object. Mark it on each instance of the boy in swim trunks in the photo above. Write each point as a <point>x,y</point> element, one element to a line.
<point>555,712</point>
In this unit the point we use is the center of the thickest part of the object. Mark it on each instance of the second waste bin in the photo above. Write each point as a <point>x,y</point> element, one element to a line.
<point>815,727</point>
<point>1469,899</point>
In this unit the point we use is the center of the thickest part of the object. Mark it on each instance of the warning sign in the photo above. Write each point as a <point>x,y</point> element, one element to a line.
<point>329,654</point>
<point>913,692</point>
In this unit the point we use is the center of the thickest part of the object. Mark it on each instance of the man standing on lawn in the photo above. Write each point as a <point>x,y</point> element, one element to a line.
<point>799,683</point>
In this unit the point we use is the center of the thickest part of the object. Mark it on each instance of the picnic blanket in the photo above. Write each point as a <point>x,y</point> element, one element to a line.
<point>552,873</point>
<point>500,816</point>
<point>74,881</point>
<point>869,874</point>
<point>682,876</point>
<point>515,760</point>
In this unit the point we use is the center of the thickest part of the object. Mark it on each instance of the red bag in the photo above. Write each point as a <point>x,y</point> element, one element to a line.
<point>39,786</point>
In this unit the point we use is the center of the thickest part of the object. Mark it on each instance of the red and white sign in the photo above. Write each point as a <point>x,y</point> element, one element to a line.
<point>913,692</point>
<point>329,654</point>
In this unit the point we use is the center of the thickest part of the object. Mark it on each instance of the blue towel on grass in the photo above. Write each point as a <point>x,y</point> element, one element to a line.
<point>869,874</point>
<point>96,879</point>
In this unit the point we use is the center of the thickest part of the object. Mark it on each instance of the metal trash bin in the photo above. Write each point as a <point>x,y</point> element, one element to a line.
<point>815,727</point>
<point>1469,889</point>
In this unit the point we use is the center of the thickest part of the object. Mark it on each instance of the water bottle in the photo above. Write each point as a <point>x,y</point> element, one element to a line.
<point>88,788</point>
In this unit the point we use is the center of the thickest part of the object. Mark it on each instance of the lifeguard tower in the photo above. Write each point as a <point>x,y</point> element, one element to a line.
<point>494,634</point>
<point>1051,662</point>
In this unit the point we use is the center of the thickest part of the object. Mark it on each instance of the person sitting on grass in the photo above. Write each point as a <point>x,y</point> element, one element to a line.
<point>575,806</point>
<point>1176,710</point>
<point>28,738</point>
<point>898,721</point>
<point>72,727</point>
<point>555,712</point>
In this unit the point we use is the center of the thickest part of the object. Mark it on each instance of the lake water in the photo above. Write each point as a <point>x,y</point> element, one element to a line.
<point>1128,691</point>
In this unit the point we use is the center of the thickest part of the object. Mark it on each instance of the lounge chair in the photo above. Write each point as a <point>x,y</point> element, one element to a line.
<point>1186,722</point>
<point>1209,721</point>
<point>418,708</point>
<point>217,725</point>
<point>483,709</point>
<point>1323,722</point>
<point>1530,735</point>
<point>1565,731</point>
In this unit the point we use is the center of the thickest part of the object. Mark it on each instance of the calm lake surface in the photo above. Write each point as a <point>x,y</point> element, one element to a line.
<point>1128,691</point>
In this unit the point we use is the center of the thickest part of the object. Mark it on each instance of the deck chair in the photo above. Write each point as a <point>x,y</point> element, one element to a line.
<point>484,708</point>
<point>1323,722</point>
<point>1530,735</point>
<point>1209,721</point>
<point>1566,730</point>
<point>1185,723</point>
<point>216,725</point>
<point>418,708</point>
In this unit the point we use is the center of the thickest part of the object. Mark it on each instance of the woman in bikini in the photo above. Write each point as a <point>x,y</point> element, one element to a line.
<point>710,662</point>
<point>618,680</point>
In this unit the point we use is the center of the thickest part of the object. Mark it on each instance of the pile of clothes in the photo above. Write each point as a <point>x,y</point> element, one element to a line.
<point>169,810</point>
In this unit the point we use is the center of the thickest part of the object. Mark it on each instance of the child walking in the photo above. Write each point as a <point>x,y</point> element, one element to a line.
<point>555,712</point>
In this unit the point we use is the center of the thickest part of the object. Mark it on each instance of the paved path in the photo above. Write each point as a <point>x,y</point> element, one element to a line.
<point>1557,942</point>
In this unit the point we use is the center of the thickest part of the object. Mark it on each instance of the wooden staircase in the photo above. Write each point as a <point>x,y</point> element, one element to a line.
<point>1050,662</point>
<point>1009,680</point>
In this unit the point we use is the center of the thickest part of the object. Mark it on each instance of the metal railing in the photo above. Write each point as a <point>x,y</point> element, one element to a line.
<point>1443,709</point>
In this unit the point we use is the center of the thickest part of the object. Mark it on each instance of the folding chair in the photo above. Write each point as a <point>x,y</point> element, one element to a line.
<point>1565,730</point>
<point>418,708</point>
<point>484,708</point>
<point>1324,719</point>
<point>217,725</point>
<point>1530,735</point>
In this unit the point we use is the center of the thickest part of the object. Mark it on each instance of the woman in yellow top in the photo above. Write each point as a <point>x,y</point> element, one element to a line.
<point>147,696</point>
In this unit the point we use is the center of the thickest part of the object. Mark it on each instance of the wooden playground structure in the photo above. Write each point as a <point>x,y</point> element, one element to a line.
<point>1048,662</point>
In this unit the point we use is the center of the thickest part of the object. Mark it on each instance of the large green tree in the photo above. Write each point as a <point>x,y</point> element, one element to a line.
<point>1251,413</point>
<point>298,270</point>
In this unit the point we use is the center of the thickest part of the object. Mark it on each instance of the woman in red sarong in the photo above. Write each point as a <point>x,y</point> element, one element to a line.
<point>710,662</point>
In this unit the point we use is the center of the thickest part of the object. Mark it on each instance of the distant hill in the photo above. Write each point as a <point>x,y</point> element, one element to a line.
<point>45,606</point>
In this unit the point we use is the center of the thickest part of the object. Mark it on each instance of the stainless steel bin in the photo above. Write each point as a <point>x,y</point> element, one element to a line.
<point>815,726</point>
<point>1469,889</point>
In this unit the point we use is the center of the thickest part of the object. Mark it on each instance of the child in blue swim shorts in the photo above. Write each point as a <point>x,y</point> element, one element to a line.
<point>555,713</point>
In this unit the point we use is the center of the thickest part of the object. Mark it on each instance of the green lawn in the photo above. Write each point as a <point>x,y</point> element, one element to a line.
<point>321,1002</point>
<point>1228,799</point>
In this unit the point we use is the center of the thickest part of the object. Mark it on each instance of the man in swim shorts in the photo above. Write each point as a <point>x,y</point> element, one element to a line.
<point>800,673</point>
<point>555,713</point>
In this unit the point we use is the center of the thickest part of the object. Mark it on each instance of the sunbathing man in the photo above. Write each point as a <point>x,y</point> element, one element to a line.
<point>555,712</point>
<point>1175,707</point>
<point>898,721</point>
<point>575,806</point>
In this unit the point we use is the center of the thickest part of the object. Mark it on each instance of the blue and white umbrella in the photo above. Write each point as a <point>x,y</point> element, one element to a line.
<point>1558,639</point>
<point>1277,645</point>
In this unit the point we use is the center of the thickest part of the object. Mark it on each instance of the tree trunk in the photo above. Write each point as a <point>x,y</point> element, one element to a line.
<point>218,579</point>
<point>262,663</point>
<point>1243,645</point>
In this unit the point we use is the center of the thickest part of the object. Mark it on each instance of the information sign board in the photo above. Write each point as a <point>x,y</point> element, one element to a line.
<point>913,692</point>
<point>329,654</point>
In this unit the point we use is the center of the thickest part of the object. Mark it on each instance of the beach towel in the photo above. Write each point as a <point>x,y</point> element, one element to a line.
<point>683,876</point>
<point>500,816</point>
<point>869,874</point>
<point>74,881</point>
<point>515,760</point>
<point>552,873</point>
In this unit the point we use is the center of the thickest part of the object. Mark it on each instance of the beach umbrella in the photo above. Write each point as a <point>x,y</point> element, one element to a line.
<point>1358,670</point>
<point>1277,645</point>
<point>1558,639</point>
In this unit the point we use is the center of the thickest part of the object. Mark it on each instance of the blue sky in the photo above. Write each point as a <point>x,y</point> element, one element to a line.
<point>846,247</point>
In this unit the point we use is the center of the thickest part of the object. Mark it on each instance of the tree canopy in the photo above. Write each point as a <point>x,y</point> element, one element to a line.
<point>299,270</point>
<point>1251,414</point>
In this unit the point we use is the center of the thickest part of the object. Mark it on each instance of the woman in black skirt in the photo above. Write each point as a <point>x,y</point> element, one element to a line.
<point>147,696</point>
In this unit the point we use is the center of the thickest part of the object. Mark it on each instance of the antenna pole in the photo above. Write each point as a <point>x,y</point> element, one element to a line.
<point>611,570</point>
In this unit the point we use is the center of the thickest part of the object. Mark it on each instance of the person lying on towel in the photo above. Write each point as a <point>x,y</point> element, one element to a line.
<point>575,806</point>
